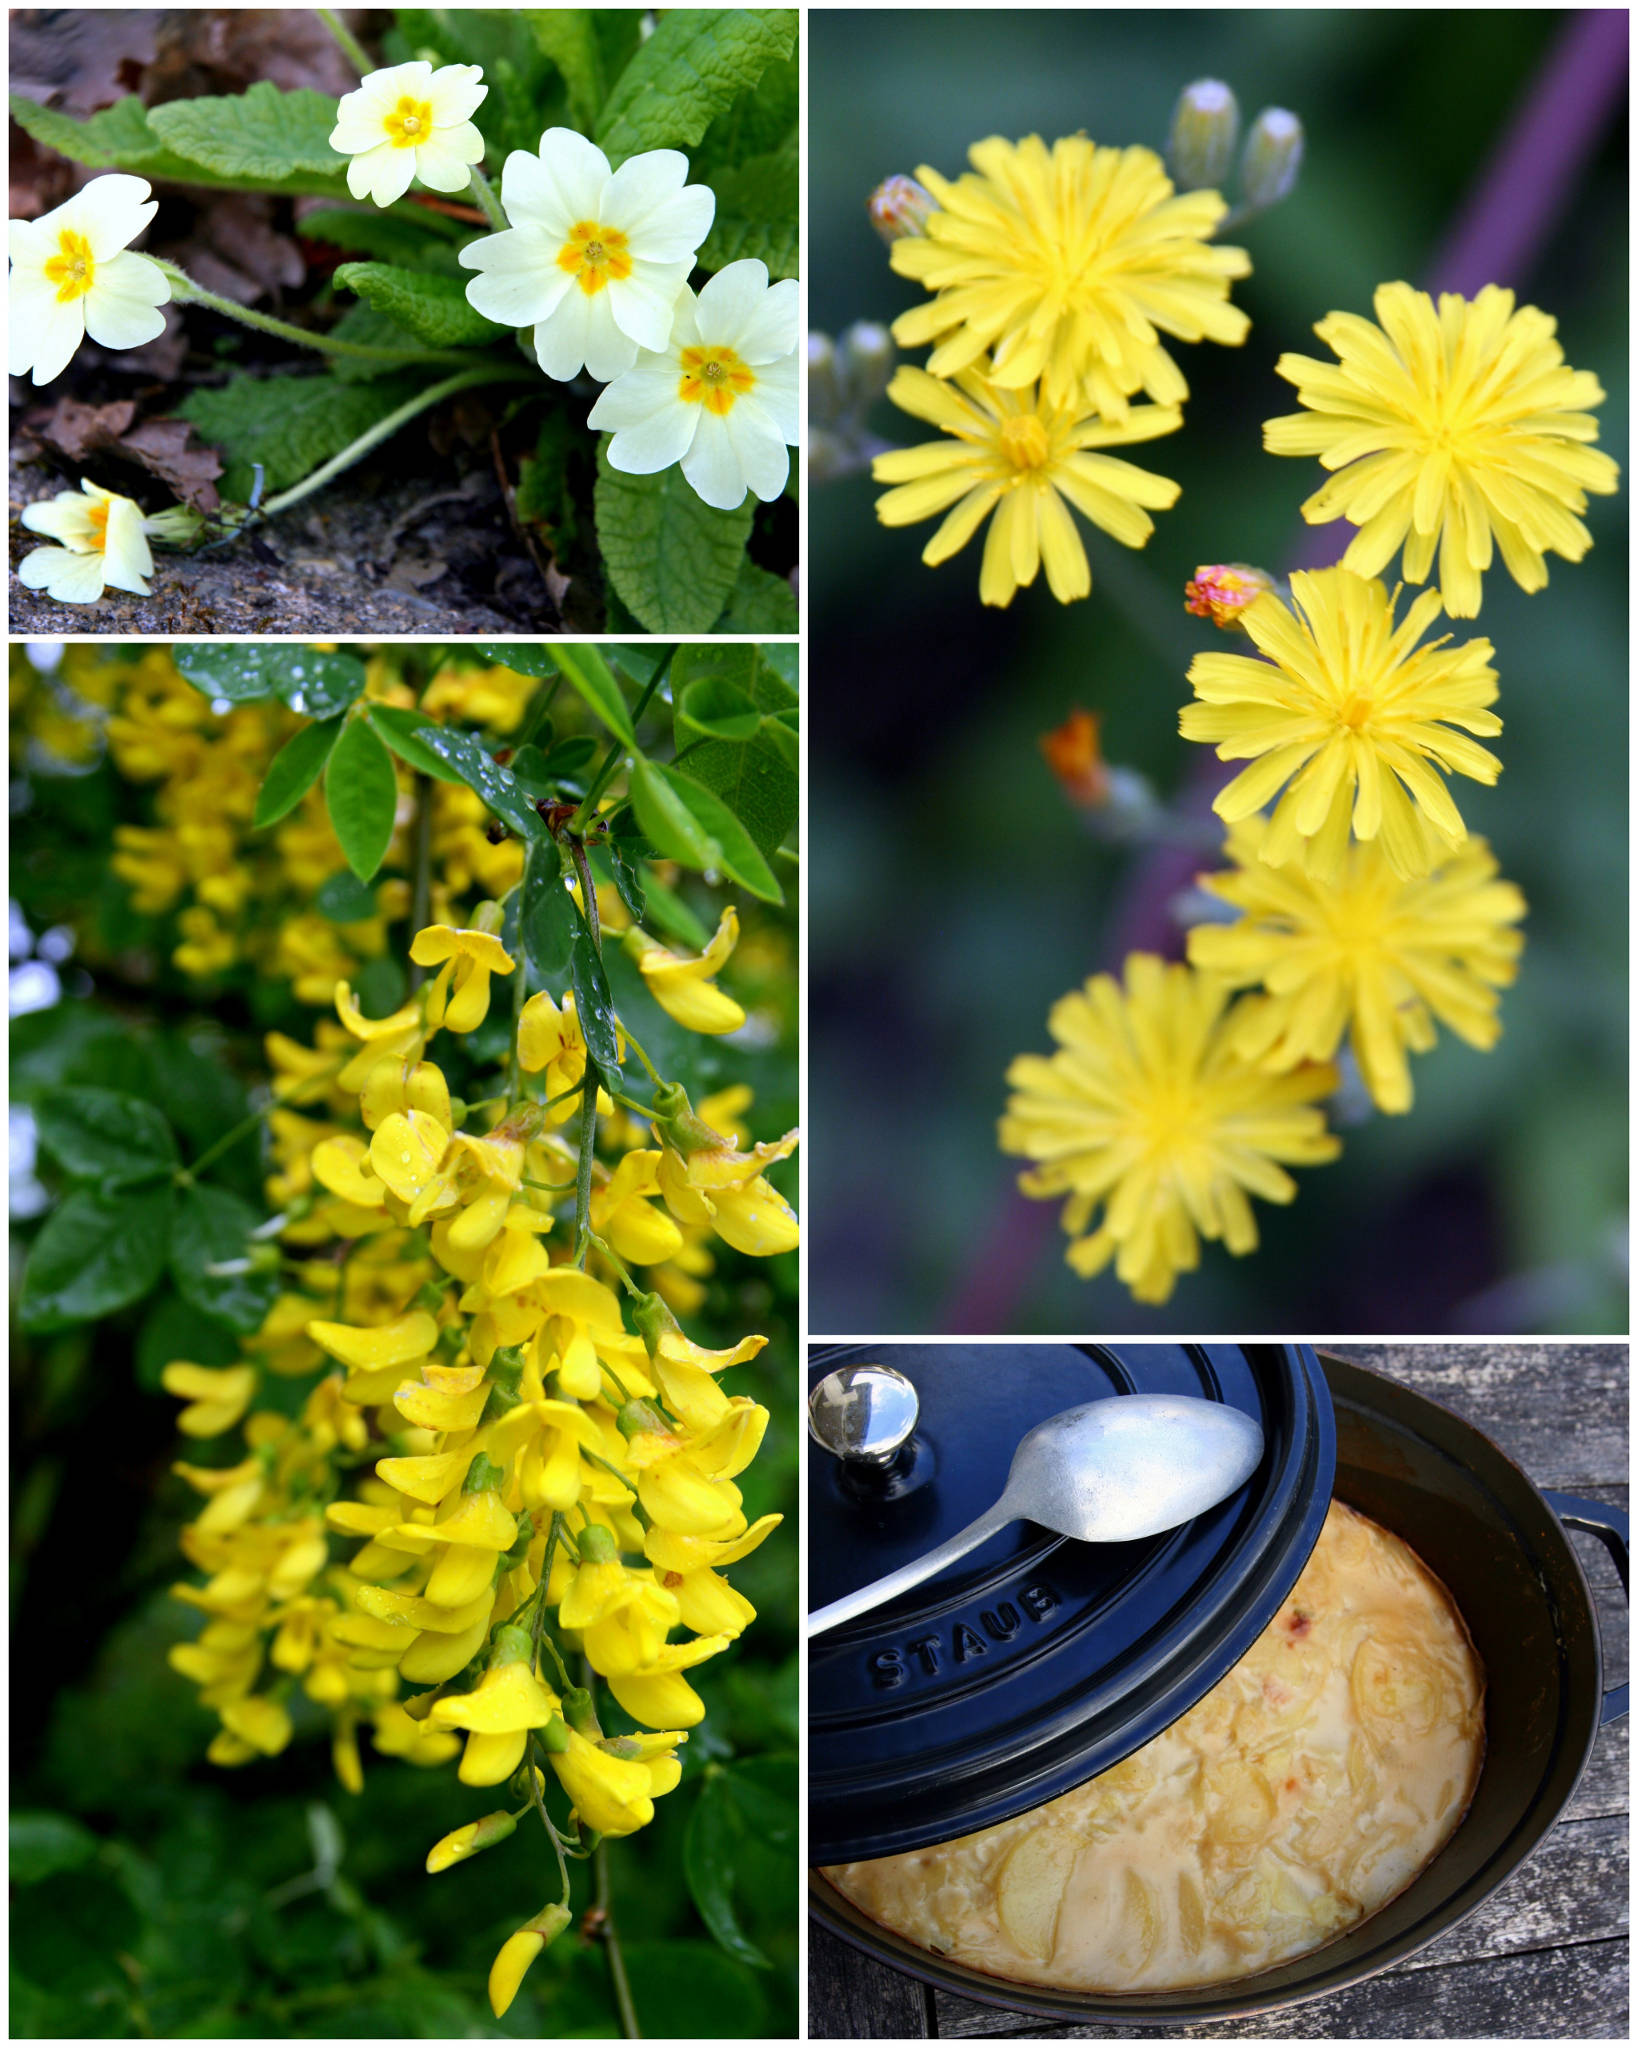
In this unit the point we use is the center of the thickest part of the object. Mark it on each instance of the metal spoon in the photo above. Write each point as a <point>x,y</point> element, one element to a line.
<point>1108,1472</point>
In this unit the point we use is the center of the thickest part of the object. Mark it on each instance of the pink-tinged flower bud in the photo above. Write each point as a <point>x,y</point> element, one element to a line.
<point>1205,128</point>
<point>1223,591</point>
<point>1272,159</point>
<point>900,207</point>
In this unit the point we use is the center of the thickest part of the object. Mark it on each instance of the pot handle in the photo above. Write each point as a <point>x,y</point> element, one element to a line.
<point>1609,1525</point>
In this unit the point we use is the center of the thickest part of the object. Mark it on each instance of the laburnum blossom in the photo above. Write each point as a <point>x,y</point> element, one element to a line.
<point>1368,954</point>
<point>1017,454</point>
<point>102,540</point>
<point>686,989</point>
<point>410,121</point>
<point>1156,1126</point>
<point>1355,722</point>
<point>460,994</point>
<point>72,274</point>
<point>1447,428</point>
<point>721,397</point>
<point>1065,266</point>
<point>593,259</point>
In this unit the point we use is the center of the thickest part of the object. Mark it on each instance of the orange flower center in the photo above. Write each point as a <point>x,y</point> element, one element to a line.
<point>73,269</point>
<point>714,378</point>
<point>98,518</point>
<point>409,123</point>
<point>593,255</point>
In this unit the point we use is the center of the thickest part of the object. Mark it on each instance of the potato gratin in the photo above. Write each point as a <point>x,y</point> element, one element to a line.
<point>1306,1789</point>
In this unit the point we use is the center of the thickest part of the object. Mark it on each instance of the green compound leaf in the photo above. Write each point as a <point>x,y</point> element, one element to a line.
<point>402,730</point>
<point>710,1852</point>
<point>42,1844</point>
<point>735,723</point>
<point>737,852</point>
<point>672,558</point>
<point>261,134</point>
<point>568,36</point>
<point>289,424</point>
<point>361,794</point>
<point>758,205</point>
<point>213,1228</point>
<point>625,847</point>
<point>97,1253</point>
<point>240,674</point>
<point>293,770</point>
<point>594,1006</point>
<point>696,62</point>
<point>523,659</point>
<point>313,684</point>
<point>103,1135</point>
<point>479,770</point>
<point>547,918</point>
<point>668,824</point>
<point>344,899</point>
<point>432,308</point>
<point>589,675</point>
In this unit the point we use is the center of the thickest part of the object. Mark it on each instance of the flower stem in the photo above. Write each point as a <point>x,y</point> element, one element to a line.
<point>484,193</point>
<point>603,1900</point>
<point>224,1144</point>
<point>383,430</point>
<point>617,751</point>
<point>186,293</point>
<point>351,48</point>
<point>421,858</point>
<point>588,1098</point>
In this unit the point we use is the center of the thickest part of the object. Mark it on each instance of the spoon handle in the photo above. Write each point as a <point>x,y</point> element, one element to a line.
<point>864,1598</point>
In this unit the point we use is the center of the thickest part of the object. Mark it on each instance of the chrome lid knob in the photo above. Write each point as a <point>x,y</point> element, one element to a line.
<point>863,1414</point>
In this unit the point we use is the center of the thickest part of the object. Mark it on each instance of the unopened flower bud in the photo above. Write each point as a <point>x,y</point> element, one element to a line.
<point>1271,160</point>
<point>512,1646</point>
<point>673,1119</point>
<point>900,207</point>
<point>488,917</point>
<point>555,1736</point>
<point>468,1841</point>
<point>176,526</point>
<point>868,357</point>
<point>1205,128</point>
<point>580,1711</point>
<point>1223,591</point>
<point>639,1418</point>
<point>519,1951</point>
<point>597,1544</point>
<point>654,1321</point>
<point>824,387</point>
<point>506,1367</point>
<point>483,1475</point>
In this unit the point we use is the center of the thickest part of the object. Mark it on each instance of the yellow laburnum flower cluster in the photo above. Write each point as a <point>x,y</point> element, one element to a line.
<point>1053,273</point>
<point>544,1477</point>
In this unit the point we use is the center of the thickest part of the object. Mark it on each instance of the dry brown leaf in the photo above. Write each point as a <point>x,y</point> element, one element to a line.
<point>169,450</point>
<point>80,58</point>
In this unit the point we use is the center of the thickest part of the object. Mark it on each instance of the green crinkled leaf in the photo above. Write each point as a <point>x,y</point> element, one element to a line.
<point>97,1253</point>
<point>431,307</point>
<point>123,137</point>
<point>671,557</point>
<point>104,1136</point>
<point>758,214</point>
<point>289,424</point>
<point>369,329</point>
<point>293,770</point>
<point>262,133</point>
<point>361,795</point>
<point>568,36</point>
<point>402,728</point>
<point>213,1227</point>
<point>480,771</point>
<point>761,603</point>
<point>756,124</point>
<point>693,66</point>
<point>388,237</point>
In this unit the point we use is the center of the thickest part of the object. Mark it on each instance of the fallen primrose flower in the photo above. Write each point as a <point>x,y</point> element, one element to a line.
<point>102,541</point>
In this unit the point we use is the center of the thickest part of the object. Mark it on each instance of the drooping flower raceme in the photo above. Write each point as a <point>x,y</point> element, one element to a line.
<point>72,274</point>
<point>721,397</point>
<point>1065,266</point>
<point>102,539</point>
<point>1369,954</point>
<point>1446,429</point>
<point>410,121</point>
<point>594,259</point>
<point>1354,716</point>
<point>1149,1113</point>
<point>1015,453</point>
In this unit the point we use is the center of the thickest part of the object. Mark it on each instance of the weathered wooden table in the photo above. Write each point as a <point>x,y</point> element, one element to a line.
<point>1546,1957</point>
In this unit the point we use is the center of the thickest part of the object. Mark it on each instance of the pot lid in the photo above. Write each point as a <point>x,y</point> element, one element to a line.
<point>1034,1662</point>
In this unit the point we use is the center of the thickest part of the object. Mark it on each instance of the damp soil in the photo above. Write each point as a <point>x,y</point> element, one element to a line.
<point>382,550</point>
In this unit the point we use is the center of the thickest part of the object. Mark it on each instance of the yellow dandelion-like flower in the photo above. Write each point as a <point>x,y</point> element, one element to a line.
<point>1066,265</point>
<point>1149,1113</point>
<point>1355,716</point>
<point>1370,954</point>
<point>1016,454</point>
<point>1447,428</point>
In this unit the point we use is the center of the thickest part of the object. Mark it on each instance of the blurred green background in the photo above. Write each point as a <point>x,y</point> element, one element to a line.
<point>156,1895</point>
<point>953,893</point>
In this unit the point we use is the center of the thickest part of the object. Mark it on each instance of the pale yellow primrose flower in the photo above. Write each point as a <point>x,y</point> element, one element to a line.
<point>407,122</point>
<point>594,259</point>
<point>720,398</point>
<point>102,539</point>
<point>72,275</point>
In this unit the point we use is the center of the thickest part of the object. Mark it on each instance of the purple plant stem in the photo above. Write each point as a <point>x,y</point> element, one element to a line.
<point>1509,219</point>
